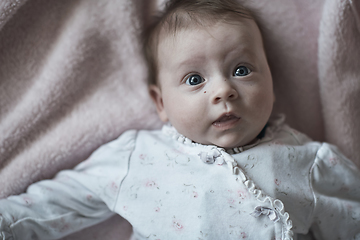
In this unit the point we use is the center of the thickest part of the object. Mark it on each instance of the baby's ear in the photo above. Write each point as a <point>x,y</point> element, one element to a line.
<point>156,96</point>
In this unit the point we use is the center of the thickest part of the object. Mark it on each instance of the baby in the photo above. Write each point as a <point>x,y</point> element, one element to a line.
<point>221,168</point>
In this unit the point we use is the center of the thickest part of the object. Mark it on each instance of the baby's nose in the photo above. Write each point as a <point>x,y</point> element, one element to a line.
<point>224,91</point>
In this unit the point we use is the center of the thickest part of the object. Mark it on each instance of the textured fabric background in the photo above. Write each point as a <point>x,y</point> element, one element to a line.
<point>72,77</point>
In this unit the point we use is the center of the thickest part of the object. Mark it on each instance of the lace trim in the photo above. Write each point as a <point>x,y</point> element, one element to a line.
<point>214,154</point>
<point>275,213</point>
<point>172,132</point>
<point>274,124</point>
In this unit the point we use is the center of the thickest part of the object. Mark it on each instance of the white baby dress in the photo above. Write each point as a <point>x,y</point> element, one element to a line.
<point>170,188</point>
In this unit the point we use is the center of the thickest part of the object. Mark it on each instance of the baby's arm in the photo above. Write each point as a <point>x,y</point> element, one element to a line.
<point>336,186</point>
<point>73,200</point>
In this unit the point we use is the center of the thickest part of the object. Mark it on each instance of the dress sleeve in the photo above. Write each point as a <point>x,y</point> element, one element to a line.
<point>335,181</point>
<point>73,200</point>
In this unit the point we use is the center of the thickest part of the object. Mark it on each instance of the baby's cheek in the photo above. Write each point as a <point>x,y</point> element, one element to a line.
<point>187,113</point>
<point>263,103</point>
<point>188,125</point>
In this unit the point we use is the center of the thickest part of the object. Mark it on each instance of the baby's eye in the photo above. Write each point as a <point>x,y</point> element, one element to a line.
<point>242,71</point>
<point>194,80</point>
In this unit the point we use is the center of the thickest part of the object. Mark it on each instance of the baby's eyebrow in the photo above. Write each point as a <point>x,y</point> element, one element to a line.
<point>192,61</point>
<point>243,52</point>
<point>243,48</point>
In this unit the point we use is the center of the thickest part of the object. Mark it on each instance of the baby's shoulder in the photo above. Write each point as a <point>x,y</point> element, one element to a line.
<point>125,141</point>
<point>130,138</point>
<point>293,136</point>
<point>318,153</point>
<point>279,131</point>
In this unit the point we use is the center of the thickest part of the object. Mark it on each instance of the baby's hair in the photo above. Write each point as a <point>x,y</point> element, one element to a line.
<point>183,14</point>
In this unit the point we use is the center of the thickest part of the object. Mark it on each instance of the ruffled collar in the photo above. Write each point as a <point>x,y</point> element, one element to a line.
<point>266,135</point>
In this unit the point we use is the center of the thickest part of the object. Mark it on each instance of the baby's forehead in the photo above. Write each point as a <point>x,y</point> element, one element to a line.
<point>198,46</point>
<point>170,37</point>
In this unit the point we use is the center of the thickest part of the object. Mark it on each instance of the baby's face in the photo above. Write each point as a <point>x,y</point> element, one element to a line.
<point>215,85</point>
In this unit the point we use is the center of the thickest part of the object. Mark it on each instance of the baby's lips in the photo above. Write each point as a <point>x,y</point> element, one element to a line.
<point>226,117</point>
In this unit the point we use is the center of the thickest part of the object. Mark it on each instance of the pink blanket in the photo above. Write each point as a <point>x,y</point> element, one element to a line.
<point>72,77</point>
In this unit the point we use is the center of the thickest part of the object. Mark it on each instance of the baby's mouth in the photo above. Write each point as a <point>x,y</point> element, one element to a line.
<point>226,120</point>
